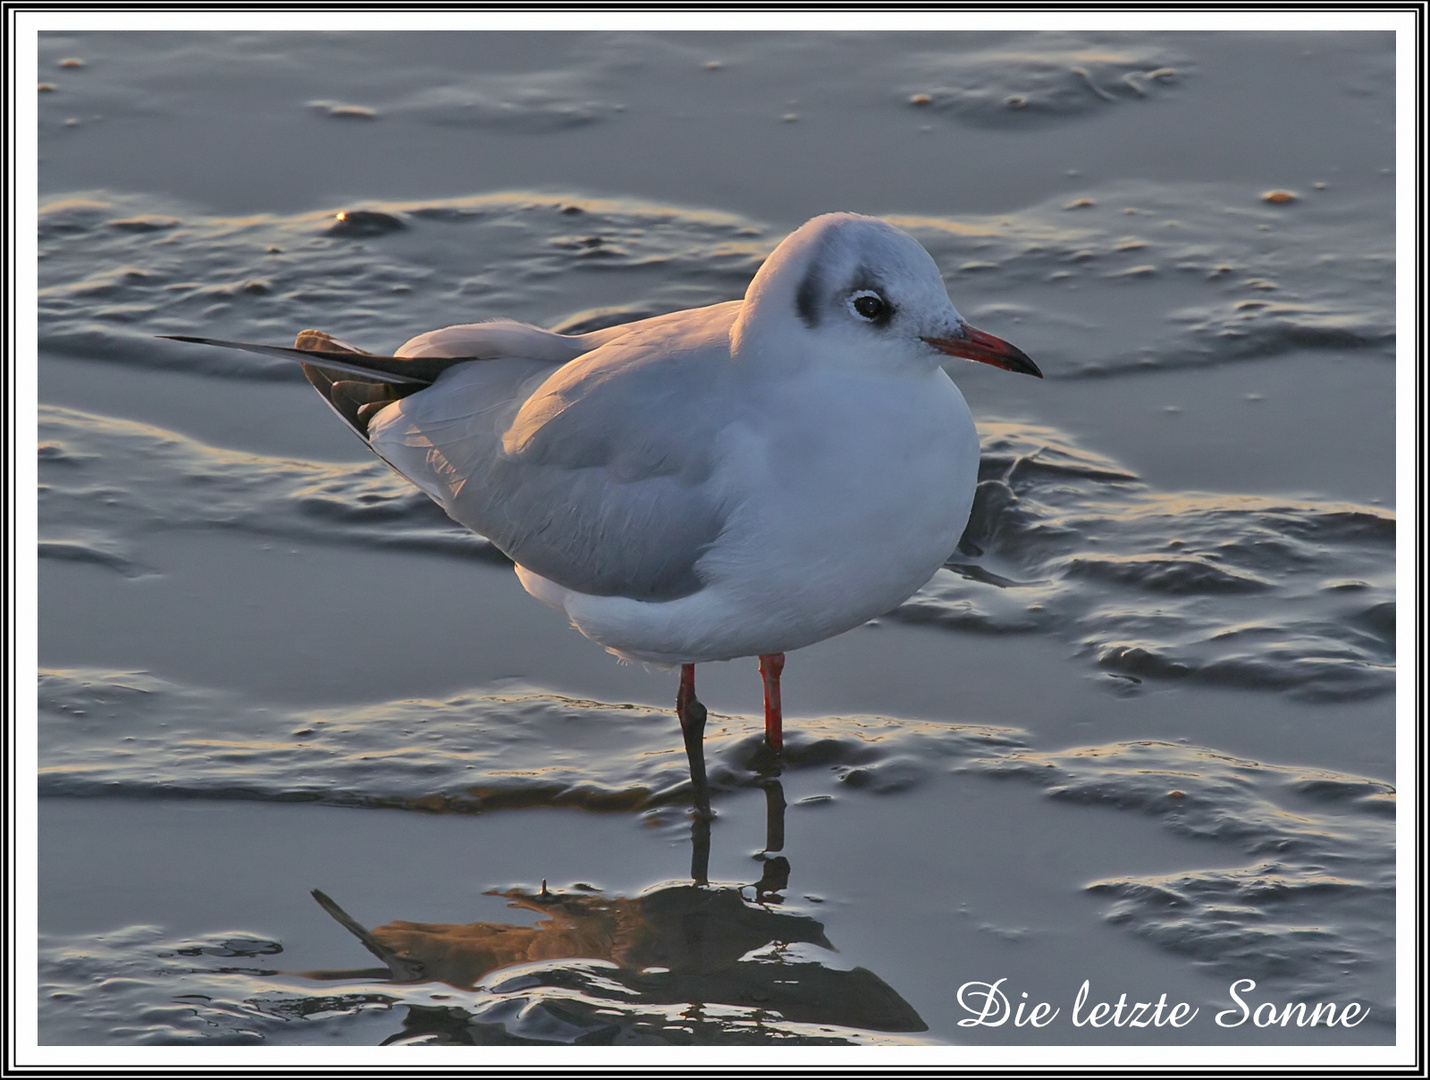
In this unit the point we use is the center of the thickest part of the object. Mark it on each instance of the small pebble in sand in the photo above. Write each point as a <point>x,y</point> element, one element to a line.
<point>1016,101</point>
<point>71,122</point>
<point>342,111</point>
<point>1078,204</point>
<point>1279,196</point>
<point>71,62</point>
<point>920,99</point>
<point>1175,794</point>
<point>46,87</point>
<point>363,223</point>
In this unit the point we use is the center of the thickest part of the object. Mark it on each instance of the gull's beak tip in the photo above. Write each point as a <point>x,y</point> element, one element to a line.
<point>970,343</point>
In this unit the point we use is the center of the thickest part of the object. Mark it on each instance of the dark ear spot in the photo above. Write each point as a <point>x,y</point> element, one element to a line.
<point>806,299</point>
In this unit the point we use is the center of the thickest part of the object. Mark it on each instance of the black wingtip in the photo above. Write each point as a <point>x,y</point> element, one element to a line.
<point>404,370</point>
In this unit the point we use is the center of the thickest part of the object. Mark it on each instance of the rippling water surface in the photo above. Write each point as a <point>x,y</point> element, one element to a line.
<point>1138,731</point>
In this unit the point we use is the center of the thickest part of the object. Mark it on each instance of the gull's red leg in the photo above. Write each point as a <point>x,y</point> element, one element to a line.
<point>771,665</point>
<point>692,726</point>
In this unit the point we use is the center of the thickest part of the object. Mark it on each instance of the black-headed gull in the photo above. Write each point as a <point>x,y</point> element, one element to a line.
<point>736,480</point>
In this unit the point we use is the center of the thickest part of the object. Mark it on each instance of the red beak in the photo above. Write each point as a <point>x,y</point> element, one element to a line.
<point>974,344</point>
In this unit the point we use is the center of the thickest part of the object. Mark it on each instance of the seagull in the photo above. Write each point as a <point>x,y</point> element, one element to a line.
<point>738,480</point>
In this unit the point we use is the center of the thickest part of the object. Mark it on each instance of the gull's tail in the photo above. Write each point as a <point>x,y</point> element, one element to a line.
<point>356,384</point>
<point>355,393</point>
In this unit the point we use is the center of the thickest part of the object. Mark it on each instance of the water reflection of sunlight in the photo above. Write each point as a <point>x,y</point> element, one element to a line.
<point>724,953</point>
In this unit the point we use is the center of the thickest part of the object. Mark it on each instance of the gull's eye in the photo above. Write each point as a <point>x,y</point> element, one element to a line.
<point>870,306</point>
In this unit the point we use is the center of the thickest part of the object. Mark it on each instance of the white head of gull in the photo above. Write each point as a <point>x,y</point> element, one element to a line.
<point>737,480</point>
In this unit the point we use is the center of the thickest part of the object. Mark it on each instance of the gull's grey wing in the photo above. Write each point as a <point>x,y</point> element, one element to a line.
<point>592,474</point>
<point>589,470</point>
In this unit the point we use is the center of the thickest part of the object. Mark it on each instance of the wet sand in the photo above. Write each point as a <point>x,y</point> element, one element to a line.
<point>1140,731</point>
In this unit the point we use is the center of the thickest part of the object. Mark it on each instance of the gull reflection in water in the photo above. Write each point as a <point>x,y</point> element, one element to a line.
<point>704,961</point>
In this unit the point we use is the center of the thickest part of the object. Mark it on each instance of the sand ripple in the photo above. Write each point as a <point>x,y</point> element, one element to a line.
<point>1249,591</point>
<point>109,483</point>
<point>1315,901</point>
<point>1236,590</point>
<point>1313,848</point>
<point>1043,78</point>
<point>1211,274</point>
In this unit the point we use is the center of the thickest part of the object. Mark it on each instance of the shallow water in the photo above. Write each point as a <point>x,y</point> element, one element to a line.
<point>1139,731</point>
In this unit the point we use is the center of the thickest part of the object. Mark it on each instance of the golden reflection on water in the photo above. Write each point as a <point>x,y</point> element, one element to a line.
<point>708,947</point>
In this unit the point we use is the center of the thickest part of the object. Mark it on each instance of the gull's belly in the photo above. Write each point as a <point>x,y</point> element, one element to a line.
<point>829,526</point>
<point>846,527</point>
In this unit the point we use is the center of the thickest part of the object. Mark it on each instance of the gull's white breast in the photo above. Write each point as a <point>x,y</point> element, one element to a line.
<point>844,496</point>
